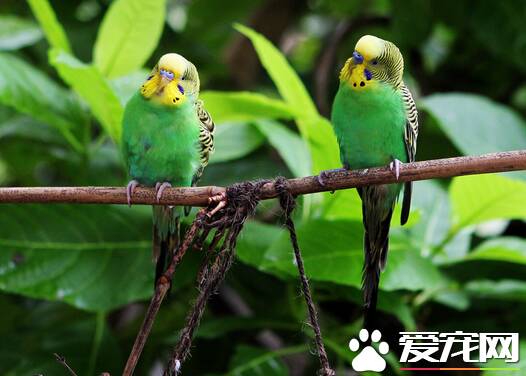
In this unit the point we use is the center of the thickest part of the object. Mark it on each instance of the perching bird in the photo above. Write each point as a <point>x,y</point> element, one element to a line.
<point>167,139</point>
<point>375,120</point>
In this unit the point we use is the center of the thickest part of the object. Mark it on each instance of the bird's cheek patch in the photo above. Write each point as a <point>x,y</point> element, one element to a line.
<point>174,95</point>
<point>361,78</point>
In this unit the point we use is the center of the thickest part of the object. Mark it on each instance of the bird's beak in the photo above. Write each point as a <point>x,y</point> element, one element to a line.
<point>357,57</point>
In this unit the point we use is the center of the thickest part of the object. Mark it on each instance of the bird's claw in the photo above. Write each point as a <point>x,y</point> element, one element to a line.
<point>321,178</point>
<point>129,190</point>
<point>159,189</point>
<point>323,175</point>
<point>221,200</point>
<point>394,166</point>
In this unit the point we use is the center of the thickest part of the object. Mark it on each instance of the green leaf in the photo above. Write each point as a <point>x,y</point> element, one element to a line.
<point>51,328</point>
<point>125,86</point>
<point>480,198</point>
<point>313,128</point>
<point>507,249</point>
<point>87,81</point>
<point>233,141</point>
<point>29,91</point>
<point>333,252</point>
<point>290,146</point>
<point>433,202</point>
<point>256,238</point>
<point>475,124</point>
<point>128,35</point>
<point>286,80</point>
<point>16,32</point>
<point>507,289</point>
<point>249,360</point>
<point>95,258</point>
<point>244,106</point>
<point>343,204</point>
<point>53,30</point>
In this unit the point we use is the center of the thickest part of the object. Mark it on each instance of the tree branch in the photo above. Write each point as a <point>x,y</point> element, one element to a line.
<point>333,180</point>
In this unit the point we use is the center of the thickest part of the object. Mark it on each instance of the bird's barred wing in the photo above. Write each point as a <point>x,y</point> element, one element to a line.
<point>206,138</point>
<point>410,136</point>
<point>206,143</point>
<point>411,124</point>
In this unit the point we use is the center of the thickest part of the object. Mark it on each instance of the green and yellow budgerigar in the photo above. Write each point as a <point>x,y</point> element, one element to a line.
<point>167,140</point>
<point>375,120</point>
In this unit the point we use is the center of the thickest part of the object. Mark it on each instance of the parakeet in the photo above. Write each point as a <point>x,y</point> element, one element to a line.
<point>376,123</point>
<point>167,139</point>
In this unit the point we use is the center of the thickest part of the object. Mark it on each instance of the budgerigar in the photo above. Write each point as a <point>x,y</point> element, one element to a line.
<point>167,140</point>
<point>375,120</point>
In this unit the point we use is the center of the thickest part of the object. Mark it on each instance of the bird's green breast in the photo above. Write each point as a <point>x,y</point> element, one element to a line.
<point>369,125</point>
<point>160,143</point>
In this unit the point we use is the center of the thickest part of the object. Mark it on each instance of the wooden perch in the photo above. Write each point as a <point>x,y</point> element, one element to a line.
<point>333,180</point>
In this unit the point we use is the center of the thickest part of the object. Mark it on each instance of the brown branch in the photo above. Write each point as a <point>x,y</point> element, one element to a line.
<point>162,287</point>
<point>198,196</point>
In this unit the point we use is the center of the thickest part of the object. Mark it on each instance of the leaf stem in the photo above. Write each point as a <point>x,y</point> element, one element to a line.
<point>100,320</point>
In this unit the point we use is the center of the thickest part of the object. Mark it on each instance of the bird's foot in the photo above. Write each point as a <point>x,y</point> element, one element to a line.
<point>129,190</point>
<point>159,189</point>
<point>221,200</point>
<point>322,176</point>
<point>394,166</point>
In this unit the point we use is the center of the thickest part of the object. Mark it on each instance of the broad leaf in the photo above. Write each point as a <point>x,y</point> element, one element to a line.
<point>17,32</point>
<point>52,328</point>
<point>93,257</point>
<point>55,34</point>
<point>507,289</point>
<point>507,249</point>
<point>480,198</point>
<point>87,81</point>
<point>233,141</point>
<point>333,252</point>
<point>244,106</point>
<point>125,86</point>
<point>475,124</point>
<point>286,80</point>
<point>128,35</point>
<point>29,91</point>
<point>289,145</point>
<point>313,128</point>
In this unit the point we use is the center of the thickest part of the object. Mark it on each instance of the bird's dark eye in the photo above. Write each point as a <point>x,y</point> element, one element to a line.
<point>375,62</point>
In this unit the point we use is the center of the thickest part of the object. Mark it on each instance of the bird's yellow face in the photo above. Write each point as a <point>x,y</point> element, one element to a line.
<point>165,84</point>
<point>373,61</point>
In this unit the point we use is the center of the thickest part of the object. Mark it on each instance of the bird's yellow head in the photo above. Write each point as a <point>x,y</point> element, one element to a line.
<point>171,81</point>
<point>373,61</point>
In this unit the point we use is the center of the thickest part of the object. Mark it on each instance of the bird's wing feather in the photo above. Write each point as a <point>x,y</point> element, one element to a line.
<point>206,133</point>
<point>206,142</point>
<point>410,136</point>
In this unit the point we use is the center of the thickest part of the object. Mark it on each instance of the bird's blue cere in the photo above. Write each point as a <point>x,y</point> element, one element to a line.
<point>167,74</point>
<point>358,58</point>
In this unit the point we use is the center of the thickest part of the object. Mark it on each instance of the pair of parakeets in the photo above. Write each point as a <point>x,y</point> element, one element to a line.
<point>168,138</point>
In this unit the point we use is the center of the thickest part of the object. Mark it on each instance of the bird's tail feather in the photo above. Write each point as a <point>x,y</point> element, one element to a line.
<point>166,232</point>
<point>376,222</point>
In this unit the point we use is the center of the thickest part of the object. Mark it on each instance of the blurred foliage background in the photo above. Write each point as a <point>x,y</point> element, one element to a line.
<point>75,279</point>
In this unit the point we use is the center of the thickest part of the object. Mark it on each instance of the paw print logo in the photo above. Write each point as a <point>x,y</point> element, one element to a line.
<point>368,359</point>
